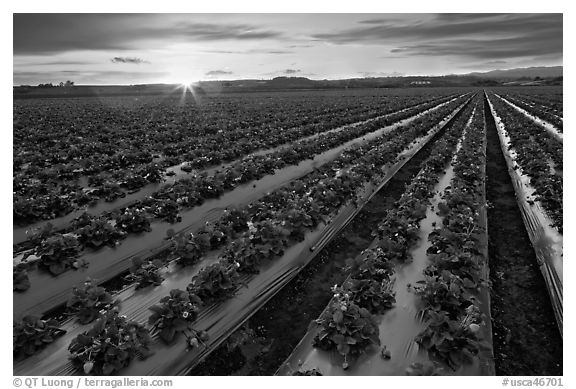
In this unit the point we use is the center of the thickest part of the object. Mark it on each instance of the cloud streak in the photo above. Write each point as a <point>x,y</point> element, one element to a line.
<point>381,74</point>
<point>217,73</point>
<point>51,33</point>
<point>133,60</point>
<point>479,36</point>
<point>85,76</point>
<point>251,51</point>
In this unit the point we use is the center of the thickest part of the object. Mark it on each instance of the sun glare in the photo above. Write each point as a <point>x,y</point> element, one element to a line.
<point>186,87</point>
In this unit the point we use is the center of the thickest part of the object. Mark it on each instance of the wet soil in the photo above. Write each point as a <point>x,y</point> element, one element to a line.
<point>526,337</point>
<point>272,333</point>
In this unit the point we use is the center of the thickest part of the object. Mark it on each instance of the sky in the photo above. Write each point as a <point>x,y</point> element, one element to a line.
<point>182,48</point>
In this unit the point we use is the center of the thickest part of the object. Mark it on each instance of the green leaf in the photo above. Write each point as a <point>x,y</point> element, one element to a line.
<point>107,369</point>
<point>338,316</point>
<point>167,334</point>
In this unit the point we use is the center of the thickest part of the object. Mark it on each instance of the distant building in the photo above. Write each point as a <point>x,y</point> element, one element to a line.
<point>423,82</point>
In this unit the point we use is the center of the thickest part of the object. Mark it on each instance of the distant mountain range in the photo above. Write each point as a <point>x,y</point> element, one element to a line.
<point>532,72</point>
<point>522,76</point>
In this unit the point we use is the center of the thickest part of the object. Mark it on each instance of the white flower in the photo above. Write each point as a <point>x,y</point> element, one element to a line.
<point>185,314</point>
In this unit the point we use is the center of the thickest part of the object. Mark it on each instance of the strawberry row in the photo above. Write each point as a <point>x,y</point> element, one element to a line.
<point>54,190</point>
<point>271,227</point>
<point>58,251</point>
<point>351,323</point>
<point>539,155</point>
<point>454,291</point>
<point>536,110</point>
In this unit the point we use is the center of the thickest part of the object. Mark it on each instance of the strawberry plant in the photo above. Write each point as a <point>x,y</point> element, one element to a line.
<point>248,257</point>
<point>376,297</point>
<point>32,334</point>
<point>269,235</point>
<point>215,283</point>
<point>308,372</point>
<point>88,301</point>
<point>145,273</point>
<point>20,280</point>
<point>187,247</point>
<point>110,345</point>
<point>456,342</point>
<point>424,369</point>
<point>132,181</point>
<point>58,253</point>
<point>100,232</point>
<point>151,172</point>
<point>297,222</point>
<point>133,220</point>
<point>213,234</point>
<point>346,327</point>
<point>373,265</point>
<point>82,221</point>
<point>110,192</point>
<point>167,210</point>
<point>236,219</point>
<point>41,233</point>
<point>175,315</point>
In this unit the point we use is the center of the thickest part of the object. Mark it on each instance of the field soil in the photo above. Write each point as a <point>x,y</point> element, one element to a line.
<point>526,336</point>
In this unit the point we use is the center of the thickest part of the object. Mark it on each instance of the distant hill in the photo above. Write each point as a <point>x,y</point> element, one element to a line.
<point>532,72</point>
<point>524,76</point>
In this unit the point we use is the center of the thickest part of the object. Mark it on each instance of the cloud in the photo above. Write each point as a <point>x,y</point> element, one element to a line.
<point>52,33</point>
<point>539,45</point>
<point>381,74</point>
<point>128,60</point>
<point>284,72</point>
<point>497,62</point>
<point>216,73</point>
<point>55,63</point>
<point>251,51</point>
<point>85,77</point>
<point>481,36</point>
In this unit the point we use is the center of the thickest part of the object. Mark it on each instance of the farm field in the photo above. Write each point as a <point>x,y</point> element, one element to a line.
<point>383,231</point>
